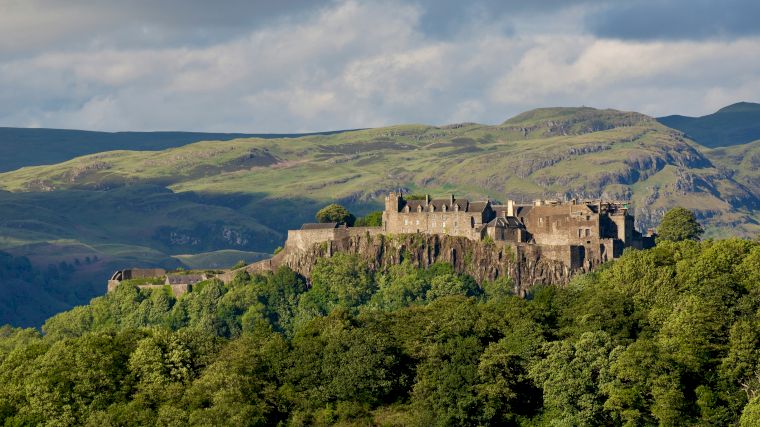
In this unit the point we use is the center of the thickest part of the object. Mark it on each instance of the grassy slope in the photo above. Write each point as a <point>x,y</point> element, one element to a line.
<point>25,147</point>
<point>733,125</point>
<point>570,152</point>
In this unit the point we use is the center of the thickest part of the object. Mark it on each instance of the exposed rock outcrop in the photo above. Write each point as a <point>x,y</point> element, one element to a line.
<point>527,265</point>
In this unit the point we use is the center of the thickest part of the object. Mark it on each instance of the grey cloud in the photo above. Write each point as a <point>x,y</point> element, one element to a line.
<point>30,26</point>
<point>345,64</point>
<point>676,19</point>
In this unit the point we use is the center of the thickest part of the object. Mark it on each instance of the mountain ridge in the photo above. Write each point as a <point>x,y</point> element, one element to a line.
<point>132,208</point>
<point>21,147</point>
<point>735,124</point>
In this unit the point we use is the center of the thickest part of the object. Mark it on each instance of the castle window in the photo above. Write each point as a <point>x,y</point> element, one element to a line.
<point>580,230</point>
<point>588,232</point>
<point>472,222</point>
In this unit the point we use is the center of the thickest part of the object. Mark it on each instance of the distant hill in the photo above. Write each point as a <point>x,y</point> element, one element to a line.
<point>21,147</point>
<point>733,125</point>
<point>224,199</point>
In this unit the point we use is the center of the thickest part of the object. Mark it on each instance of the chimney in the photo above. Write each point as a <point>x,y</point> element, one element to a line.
<point>510,208</point>
<point>427,199</point>
<point>451,200</point>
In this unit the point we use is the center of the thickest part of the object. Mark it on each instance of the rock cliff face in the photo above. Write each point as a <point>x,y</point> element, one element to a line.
<point>527,265</point>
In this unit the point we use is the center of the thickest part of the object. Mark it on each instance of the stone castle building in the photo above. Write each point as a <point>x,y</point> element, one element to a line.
<point>601,228</point>
<point>542,242</point>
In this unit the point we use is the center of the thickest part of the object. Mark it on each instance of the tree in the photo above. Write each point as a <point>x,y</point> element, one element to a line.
<point>372,219</point>
<point>571,375</point>
<point>679,224</point>
<point>335,213</point>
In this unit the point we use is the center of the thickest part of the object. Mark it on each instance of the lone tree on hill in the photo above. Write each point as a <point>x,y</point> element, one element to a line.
<point>335,213</point>
<point>679,224</point>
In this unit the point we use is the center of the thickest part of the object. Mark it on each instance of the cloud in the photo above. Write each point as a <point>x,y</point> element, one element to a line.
<point>676,19</point>
<point>347,64</point>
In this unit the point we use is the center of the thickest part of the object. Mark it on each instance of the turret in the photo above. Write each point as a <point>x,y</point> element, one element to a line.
<point>393,202</point>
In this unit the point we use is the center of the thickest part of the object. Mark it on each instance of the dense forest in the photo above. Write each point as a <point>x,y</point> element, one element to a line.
<point>664,336</point>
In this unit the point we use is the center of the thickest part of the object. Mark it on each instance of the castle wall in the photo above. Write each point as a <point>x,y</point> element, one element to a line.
<point>142,273</point>
<point>304,239</point>
<point>452,223</point>
<point>564,224</point>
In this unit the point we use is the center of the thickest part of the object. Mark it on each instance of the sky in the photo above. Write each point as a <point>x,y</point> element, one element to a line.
<point>315,65</point>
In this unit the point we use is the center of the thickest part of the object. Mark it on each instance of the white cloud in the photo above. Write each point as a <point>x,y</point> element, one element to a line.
<point>359,64</point>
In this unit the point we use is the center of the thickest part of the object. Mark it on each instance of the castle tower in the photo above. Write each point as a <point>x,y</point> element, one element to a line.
<point>393,202</point>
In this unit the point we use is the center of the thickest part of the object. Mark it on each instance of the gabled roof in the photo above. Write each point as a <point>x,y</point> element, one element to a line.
<point>319,225</point>
<point>438,204</point>
<point>505,222</point>
<point>477,206</point>
<point>413,204</point>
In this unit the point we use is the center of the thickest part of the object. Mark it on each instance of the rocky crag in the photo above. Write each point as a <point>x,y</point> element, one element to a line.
<point>526,265</point>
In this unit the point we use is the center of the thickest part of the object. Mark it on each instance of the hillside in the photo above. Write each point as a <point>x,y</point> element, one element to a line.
<point>561,153</point>
<point>665,336</point>
<point>732,125</point>
<point>21,147</point>
<point>144,207</point>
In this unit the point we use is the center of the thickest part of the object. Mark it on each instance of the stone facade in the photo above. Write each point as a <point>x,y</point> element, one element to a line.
<point>451,216</point>
<point>601,229</point>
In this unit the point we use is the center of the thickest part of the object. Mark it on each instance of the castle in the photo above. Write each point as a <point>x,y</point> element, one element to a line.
<point>603,227</point>
<point>547,241</point>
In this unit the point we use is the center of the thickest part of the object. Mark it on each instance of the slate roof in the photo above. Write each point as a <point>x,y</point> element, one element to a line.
<point>464,205</point>
<point>505,222</point>
<point>319,225</point>
<point>413,204</point>
<point>477,206</point>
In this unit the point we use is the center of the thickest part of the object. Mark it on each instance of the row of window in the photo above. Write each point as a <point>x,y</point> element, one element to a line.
<point>432,223</point>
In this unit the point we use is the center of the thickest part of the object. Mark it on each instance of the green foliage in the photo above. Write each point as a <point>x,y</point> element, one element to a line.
<point>679,224</point>
<point>372,219</point>
<point>335,213</point>
<point>666,336</point>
